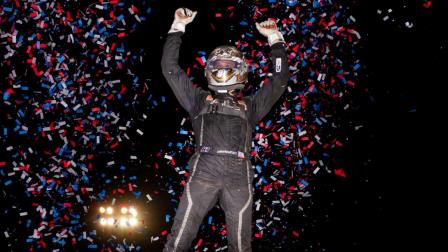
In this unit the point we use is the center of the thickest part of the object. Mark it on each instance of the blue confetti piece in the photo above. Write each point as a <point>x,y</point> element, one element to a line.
<point>92,246</point>
<point>304,63</point>
<point>6,96</point>
<point>243,23</point>
<point>137,194</point>
<point>291,3</point>
<point>265,162</point>
<point>303,182</point>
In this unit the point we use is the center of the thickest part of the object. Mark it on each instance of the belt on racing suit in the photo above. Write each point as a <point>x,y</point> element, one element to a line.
<point>224,152</point>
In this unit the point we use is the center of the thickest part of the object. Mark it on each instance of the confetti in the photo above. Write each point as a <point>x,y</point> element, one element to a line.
<point>67,77</point>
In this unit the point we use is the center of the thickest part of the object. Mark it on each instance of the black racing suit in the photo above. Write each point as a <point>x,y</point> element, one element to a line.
<point>220,170</point>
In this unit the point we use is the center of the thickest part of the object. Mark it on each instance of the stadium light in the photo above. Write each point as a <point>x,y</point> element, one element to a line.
<point>124,217</point>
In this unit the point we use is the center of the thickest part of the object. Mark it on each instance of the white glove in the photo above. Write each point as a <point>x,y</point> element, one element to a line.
<point>182,17</point>
<point>268,28</point>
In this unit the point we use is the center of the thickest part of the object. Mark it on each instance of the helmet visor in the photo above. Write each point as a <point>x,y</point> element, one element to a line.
<point>223,64</point>
<point>223,75</point>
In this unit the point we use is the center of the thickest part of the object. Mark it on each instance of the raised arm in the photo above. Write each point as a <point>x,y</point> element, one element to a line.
<point>270,92</point>
<point>176,77</point>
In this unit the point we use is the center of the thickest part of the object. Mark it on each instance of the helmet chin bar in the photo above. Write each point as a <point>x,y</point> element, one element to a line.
<point>224,89</point>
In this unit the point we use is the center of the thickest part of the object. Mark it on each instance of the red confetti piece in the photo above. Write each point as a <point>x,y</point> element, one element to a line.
<point>340,173</point>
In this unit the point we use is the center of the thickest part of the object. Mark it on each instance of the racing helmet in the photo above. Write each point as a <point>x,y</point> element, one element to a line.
<point>226,69</point>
